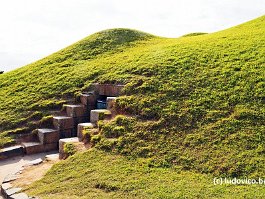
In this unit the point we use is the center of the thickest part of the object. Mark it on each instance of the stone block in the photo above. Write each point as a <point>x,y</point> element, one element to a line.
<point>47,136</point>
<point>88,99</point>
<point>6,186</point>
<point>52,157</point>
<point>99,114</point>
<point>33,147</point>
<point>81,127</point>
<point>19,196</point>
<point>51,146</point>
<point>110,102</point>
<point>63,122</point>
<point>76,110</point>
<point>11,152</point>
<point>9,178</point>
<point>12,191</point>
<point>108,89</point>
<point>62,142</point>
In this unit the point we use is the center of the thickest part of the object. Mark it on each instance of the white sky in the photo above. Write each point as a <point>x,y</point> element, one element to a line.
<point>32,29</point>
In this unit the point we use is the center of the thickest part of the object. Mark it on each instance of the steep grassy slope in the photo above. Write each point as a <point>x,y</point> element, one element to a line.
<point>197,102</point>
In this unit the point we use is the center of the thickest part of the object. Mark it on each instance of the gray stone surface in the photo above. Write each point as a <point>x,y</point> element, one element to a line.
<point>33,147</point>
<point>47,136</point>
<point>51,146</point>
<point>110,102</point>
<point>81,127</point>
<point>99,114</point>
<point>12,191</point>
<point>76,110</point>
<point>6,186</point>
<point>11,152</point>
<point>19,196</point>
<point>108,89</point>
<point>62,142</point>
<point>35,162</point>
<point>88,99</point>
<point>52,157</point>
<point>9,178</point>
<point>63,122</point>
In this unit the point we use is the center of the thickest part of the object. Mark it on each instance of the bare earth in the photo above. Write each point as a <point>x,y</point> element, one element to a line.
<point>30,173</point>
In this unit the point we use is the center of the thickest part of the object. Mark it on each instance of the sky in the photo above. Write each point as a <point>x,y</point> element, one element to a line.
<point>33,29</point>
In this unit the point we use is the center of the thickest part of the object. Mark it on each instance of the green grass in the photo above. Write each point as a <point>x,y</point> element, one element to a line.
<point>195,102</point>
<point>96,174</point>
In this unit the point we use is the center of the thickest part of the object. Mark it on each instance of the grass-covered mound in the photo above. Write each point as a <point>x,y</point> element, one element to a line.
<point>195,102</point>
<point>95,174</point>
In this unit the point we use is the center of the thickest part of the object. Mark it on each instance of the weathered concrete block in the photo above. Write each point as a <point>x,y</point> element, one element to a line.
<point>19,196</point>
<point>108,89</point>
<point>51,146</point>
<point>37,147</point>
<point>11,152</point>
<point>33,147</point>
<point>63,122</point>
<point>110,102</point>
<point>6,186</point>
<point>47,136</point>
<point>62,142</point>
<point>88,99</point>
<point>81,127</point>
<point>76,110</point>
<point>12,191</point>
<point>34,162</point>
<point>27,137</point>
<point>10,177</point>
<point>99,114</point>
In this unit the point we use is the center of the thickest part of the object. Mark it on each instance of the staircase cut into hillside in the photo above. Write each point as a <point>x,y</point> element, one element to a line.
<point>68,124</point>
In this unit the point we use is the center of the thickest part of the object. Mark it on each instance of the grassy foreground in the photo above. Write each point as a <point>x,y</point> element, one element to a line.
<point>95,174</point>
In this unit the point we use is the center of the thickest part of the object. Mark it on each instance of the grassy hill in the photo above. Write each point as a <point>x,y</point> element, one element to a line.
<point>195,102</point>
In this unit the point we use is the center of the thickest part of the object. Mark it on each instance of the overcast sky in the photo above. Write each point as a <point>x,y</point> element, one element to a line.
<point>32,29</point>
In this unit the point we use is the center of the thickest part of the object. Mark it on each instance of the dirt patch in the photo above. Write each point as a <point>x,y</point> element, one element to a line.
<point>33,173</point>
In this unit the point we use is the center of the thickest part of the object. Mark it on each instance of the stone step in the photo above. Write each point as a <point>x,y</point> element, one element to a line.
<point>76,110</point>
<point>99,114</point>
<point>88,99</point>
<point>33,147</point>
<point>63,122</point>
<point>11,152</point>
<point>37,147</point>
<point>83,126</point>
<point>62,142</point>
<point>108,89</point>
<point>48,136</point>
<point>110,102</point>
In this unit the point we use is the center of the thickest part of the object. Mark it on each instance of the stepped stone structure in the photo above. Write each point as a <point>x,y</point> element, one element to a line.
<point>68,126</point>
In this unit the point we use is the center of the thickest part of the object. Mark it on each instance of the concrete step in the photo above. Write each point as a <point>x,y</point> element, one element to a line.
<point>108,89</point>
<point>76,110</point>
<point>37,147</point>
<point>11,152</point>
<point>83,126</point>
<point>63,122</point>
<point>110,102</point>
<point>99,114</point>
<point>33,147</point>
<point>62,142</point>
<point>48,136</point>
<point>88,99</point>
